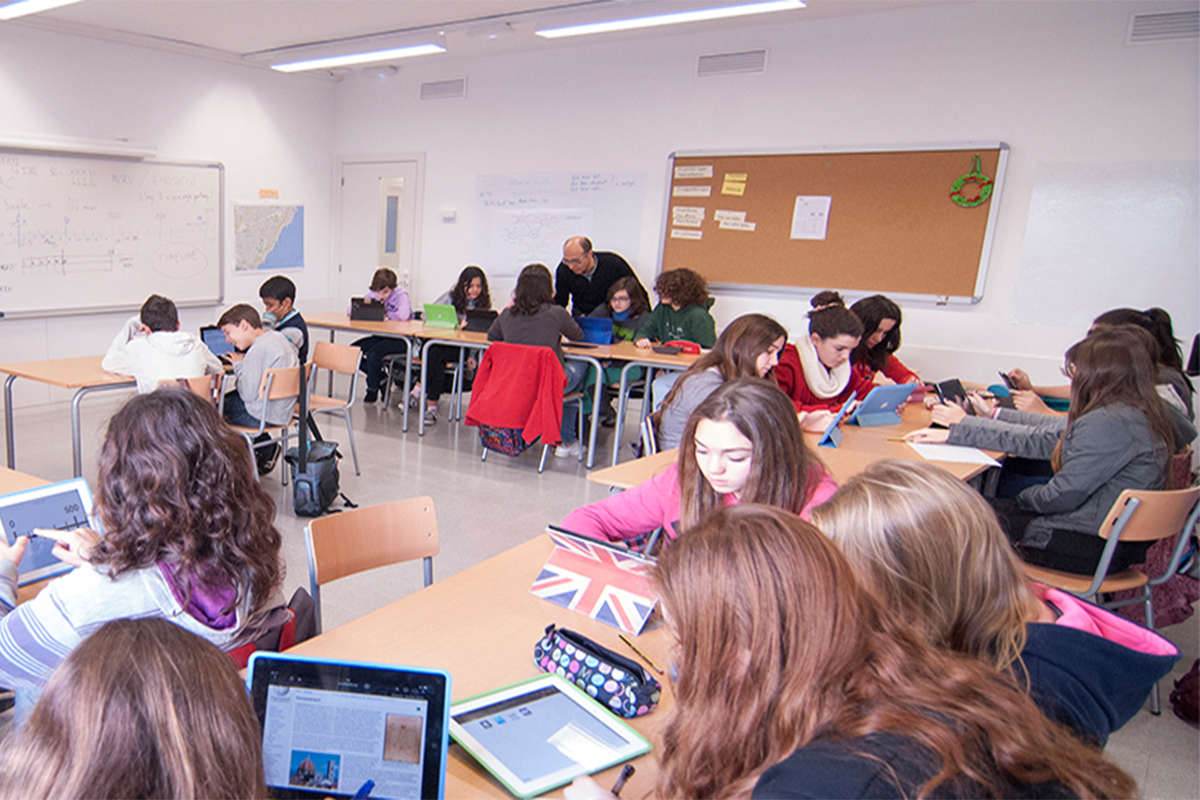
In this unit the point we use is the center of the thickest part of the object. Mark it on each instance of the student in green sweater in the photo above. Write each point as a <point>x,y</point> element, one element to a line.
<point>682,312</point>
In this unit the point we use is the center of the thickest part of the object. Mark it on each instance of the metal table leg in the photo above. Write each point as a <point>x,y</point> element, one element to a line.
<point>9,447</point>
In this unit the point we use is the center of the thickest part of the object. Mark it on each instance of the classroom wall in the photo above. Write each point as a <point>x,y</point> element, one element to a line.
<point>269,130</point>
<point>1053,79</point>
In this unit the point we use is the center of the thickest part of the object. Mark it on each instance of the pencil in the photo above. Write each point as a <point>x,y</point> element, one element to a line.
<point>645,657</point>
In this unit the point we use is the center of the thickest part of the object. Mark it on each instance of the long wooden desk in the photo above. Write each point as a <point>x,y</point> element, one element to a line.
<point>481,625</point>
<point>83,374</point>
<point>859,448</point>
<point>412,331</point>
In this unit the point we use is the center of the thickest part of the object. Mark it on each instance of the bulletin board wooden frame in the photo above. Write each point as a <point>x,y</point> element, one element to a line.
<point>891,226</point>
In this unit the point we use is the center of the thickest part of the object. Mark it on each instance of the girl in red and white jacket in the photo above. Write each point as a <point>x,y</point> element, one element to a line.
<point>815,372</point>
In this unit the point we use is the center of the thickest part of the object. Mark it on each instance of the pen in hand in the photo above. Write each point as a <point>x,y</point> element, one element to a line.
<point>625,775</point>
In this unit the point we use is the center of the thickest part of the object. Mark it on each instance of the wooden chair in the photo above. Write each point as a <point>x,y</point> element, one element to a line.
<point>649,431</point>
<point>1136,516</point>
<point>343,359</point>
<point>207,386</point>
<point>365,538</point>
<point>277,384</point>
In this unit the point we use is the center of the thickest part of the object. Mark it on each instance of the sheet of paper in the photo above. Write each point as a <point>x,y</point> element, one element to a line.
<point>692,191</point>
<point>687,216</point>
<point>953,453</point>
<point>810,217</point>
<point>683,173</point>
<point>729,216</point>
<point>682,233</point>
<point>735,225</point>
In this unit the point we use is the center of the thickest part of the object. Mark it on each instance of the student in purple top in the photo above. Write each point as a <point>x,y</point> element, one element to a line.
<point>385,288</point>
<point>189,536</point>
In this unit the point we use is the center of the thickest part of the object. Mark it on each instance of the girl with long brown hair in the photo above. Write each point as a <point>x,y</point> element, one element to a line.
<point>1116,436</point>
<point>792,680</point>
<point>189,536</point>
<point>142,708</point>
<point>929,546</point>
<point>741,445</point>
<point>748,348</point>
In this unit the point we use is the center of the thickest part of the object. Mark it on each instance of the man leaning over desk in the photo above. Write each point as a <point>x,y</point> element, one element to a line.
<point>584,275</point>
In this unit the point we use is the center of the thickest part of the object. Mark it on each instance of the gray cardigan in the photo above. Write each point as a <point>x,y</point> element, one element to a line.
<point>1104,452</point>
<point>695,390</point>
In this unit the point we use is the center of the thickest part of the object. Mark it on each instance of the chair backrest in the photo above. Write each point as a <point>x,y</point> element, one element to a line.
<point>281,383</point>
<point>206,386</point>
<point>1157,515</point>
<point>365,538</point>
<point>341,358</point>
<point>649,430</point>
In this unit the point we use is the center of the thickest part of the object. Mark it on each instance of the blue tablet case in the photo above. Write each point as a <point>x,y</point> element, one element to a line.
<point>598,330</point>
<point>832,436</point>
<point>879,407</point>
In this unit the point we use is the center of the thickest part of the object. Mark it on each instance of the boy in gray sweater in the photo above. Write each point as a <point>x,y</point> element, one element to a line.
<point>259,351</point>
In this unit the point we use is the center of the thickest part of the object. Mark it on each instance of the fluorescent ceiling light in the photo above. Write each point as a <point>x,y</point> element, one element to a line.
<point>360,58</point>
<point>671,19</point>
<point>22,8</point>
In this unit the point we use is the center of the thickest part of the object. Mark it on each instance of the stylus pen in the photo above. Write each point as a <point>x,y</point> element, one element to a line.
<point>625,775</point>
<point>637,650</point>
<point>364,790</point>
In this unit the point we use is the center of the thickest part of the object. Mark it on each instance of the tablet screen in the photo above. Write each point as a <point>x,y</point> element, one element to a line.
<point>541,734</point>
<point>329,727</point>
<point>61,506</point>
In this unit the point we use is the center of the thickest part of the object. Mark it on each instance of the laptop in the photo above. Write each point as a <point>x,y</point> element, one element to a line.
<point>364,310</point>
<point>480,320</point>
<point>880,405</point>
<point>347,728</point>
<point>440,316</point>
<point>214,338</point>
<point>63,506</point>
<point>598,330</point>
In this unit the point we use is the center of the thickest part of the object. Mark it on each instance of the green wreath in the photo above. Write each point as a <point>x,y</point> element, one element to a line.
<point>976,177</point>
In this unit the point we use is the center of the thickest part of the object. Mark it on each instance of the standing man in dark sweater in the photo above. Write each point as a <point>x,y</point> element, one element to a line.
<point>584,275</point>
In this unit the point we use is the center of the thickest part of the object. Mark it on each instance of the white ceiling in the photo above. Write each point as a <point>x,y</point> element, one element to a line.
<point>266,31</point>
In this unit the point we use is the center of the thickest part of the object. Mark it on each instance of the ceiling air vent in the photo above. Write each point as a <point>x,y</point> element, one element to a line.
<point>746,63</point>
<point>1173,27</point>
<point>444,90</point>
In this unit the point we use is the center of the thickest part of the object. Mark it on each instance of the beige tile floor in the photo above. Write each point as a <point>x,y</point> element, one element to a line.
<point>485,508</point>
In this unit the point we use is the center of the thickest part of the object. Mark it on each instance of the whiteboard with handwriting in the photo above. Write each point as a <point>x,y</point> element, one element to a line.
<point>523,218</point>
<point>80,233</point>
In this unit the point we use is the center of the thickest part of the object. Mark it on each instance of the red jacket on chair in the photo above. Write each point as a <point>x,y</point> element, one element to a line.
<point>519,386</point>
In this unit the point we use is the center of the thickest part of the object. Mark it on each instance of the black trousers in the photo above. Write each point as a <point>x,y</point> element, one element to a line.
<point>1069,551</point>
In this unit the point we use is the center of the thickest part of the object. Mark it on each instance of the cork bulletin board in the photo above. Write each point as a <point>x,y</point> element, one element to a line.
<point>861,221</point>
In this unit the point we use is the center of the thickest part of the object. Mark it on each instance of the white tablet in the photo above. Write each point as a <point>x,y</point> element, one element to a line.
<point>542,733</point>
<point>63,506</point>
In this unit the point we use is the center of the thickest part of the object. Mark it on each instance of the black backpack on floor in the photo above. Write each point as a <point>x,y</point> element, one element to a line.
<point>315,477</point>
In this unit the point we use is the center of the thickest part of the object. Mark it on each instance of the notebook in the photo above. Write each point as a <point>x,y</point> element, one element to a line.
<point>607,582</point>
<point>62,506</point>
<point>330,726</point>
<point>364,310</point>
<point>480,320</point>
<point>440,316</point>
<point>214,338</point>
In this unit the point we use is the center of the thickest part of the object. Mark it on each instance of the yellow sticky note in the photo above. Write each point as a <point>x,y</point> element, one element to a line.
<point>736,189</point>
<point>735,177</point>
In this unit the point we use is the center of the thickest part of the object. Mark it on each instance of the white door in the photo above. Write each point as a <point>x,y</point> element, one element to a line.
<point>380,205</point>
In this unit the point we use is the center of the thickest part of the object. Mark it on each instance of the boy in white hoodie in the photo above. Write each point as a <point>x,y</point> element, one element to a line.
<point>151,348</point>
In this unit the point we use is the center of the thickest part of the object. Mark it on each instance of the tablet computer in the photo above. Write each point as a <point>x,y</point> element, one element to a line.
<point>542,733</point>
<point>62,506</point>
<point>364,310</point>
<point>330,726</point>
<point>440,316</point>
<point>881,404</point>
<point>832,436</point>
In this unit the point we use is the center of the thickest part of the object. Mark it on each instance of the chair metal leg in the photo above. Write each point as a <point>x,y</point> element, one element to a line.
<point>350,433</point>
<point>1155,698</point>
<point>484,457</point>
<point>545,450</point>
<point>428,570</point>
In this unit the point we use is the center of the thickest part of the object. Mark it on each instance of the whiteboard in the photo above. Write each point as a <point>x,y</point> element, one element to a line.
<point>95,233</point>
<point>523,218</point>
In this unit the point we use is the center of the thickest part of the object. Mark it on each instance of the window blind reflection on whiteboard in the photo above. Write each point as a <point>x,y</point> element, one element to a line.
<point>94,233</point>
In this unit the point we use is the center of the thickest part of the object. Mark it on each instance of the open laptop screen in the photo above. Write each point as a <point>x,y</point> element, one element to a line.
<point>214,337</point>
<point>330,726</point>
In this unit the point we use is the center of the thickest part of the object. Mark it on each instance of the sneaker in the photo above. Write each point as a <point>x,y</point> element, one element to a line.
<point>268,457</point>
<point>431,416</point>
<point>371,396</point>
<point>574,449</point>
<point>414,396</point>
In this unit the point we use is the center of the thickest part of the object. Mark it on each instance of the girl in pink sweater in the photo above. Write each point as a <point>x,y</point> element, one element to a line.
<point>741,445</point>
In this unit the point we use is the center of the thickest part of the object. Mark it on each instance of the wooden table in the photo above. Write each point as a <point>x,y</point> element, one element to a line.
<point>411,331</point>
<point>860,447</point>
<point>83,374</point>
<point>481,625</point>
<point>13,481</point>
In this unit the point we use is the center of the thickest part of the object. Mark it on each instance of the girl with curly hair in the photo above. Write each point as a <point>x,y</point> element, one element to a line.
<point>189,536</point>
